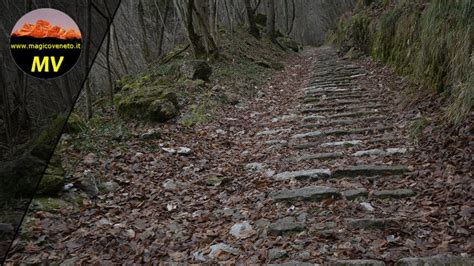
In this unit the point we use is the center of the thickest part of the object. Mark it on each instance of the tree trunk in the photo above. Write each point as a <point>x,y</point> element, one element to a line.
<point>5,103</point>
<point>203,14</point>
<point>86,59</point>
<point>185,12</point>
<point>141,20</point>
<point>271,19</point>
<point>251,18</point>
<point>163,28</point>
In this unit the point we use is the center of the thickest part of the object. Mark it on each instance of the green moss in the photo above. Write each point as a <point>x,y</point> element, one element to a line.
<point>49,204</point>
<point>75,124</point>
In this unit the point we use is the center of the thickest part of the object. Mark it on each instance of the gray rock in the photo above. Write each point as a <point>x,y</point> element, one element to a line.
<point>304,255</point>
<point>255,167</point>
<point>373,152</point>
<point>355,193</point>
<point>314,193</point>
<point>276,141</point>
<point>242,230</point>
<point>285,225</point>
<point>151,134</point>
<point>224,247</point>
<point>396,193</point>
<point>304,174</point>
<point>294,263</point>
<point>367,206</point>
<point>369,170</point>
<point>109,186</point>
<point>197,69</point>
<point>169,184</point>
<point>437,260</point>
<point>370,223</point>
<point>276,253</point>
<point>357,263</point>
<point>341,143</point>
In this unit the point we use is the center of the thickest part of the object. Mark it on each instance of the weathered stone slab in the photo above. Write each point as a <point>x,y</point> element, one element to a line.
<point>342,108</point>
<point>304,174</point>
<point>369,170</point>
<point>380,152</point>
<point>341,143</point>
<point>286,225</point>
<point>356,263</point>
<point>355,193</point>
<point>339,132</point>
<point>313,193</point>
<point>396,193</point>
<point>313,118</point>
<point>354,114</point>
<point>437,260</point>
<point>370,223</point>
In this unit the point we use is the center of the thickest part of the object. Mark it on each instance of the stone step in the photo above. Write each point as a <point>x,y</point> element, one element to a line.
<point>350,143</point>
<point>330,90</point>
<point>337,102</point>
<point>340,132</point>
<point>336,155</point>
<point>341,97</point>
<point>311,174</point>
<point>355,263</point>
<point>345,122</point>
<point>437,260</point>
<point>356,113</point>
<point>369,170</point>
<point>286,225</point>
<point>313,193</point>
<point>355,193</point>
<point>343,108</point>
<point>371,223</point>
<point>270,132</point>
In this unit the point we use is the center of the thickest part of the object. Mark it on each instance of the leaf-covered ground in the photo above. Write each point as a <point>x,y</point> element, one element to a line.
<point>175,204</point>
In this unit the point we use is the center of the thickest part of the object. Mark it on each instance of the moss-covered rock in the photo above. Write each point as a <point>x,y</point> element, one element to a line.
<point>288,43</point>
<point>154,103</point>
<point>196,69</point>
<point>49,204</point>
<point>75,124</point>
<point>53,179</point>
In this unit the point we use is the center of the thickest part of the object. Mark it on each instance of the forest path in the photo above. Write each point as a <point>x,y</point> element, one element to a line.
<point>317,167</point>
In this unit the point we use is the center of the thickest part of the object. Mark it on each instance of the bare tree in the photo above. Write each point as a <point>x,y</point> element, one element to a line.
<point>87,59</point>
<point>253,29</point>
<point>271,19</point>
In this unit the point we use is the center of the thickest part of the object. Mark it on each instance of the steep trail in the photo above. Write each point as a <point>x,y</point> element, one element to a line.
<point>318,167</point>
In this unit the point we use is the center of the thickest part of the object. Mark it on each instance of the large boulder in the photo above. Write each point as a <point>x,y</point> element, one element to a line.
<point>289,43</point>
<point>152,103</point>
<point>196,69</point>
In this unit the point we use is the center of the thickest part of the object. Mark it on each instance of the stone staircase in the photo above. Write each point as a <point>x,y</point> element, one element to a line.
<point>347,132</point>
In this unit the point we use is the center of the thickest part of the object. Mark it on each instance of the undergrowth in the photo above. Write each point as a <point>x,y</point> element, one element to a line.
<point>429,41</point>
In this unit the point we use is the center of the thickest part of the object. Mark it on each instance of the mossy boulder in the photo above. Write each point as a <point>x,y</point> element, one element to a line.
<point>53,179</point>
<point>75,124</point>
<point>289,43</point>
<point>196,69</point>
<point>154,103</point>
<point>49,204</point>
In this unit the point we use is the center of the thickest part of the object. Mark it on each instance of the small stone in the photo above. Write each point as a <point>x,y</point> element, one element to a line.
<point>304,255</point>
<point>109,186</point>
<point>392,151</point>
<point>367,206</point>
<point>355,193</point>
<point>169,184</point>
<point>254,167</point>
<point>222,247</point>
<point>396,193</point>
<point>103,221</point>
<point>242,230</point>
<point>276,253</point>
<point>183,151</point>
<point>285,225</point>
<point>151,134</point>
